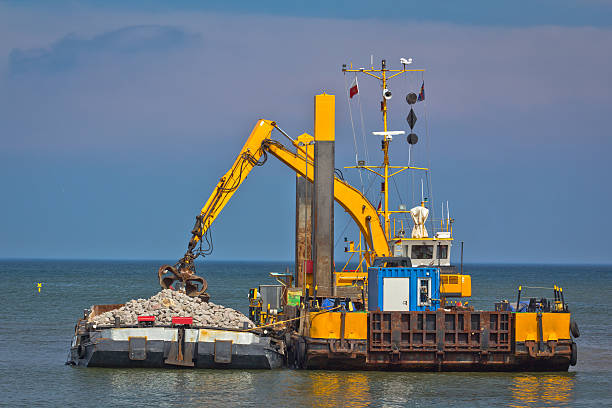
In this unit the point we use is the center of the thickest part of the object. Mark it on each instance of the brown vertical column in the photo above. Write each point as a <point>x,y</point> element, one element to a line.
<point>303,217</point>
<point>323,195</point>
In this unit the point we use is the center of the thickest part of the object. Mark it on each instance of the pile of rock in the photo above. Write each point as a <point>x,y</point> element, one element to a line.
<point>169,303</point>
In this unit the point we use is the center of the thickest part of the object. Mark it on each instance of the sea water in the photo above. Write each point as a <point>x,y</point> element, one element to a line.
<point>36,329</point>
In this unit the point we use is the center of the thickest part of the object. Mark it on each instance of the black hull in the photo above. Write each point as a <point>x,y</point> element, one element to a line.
<point>92,350</point>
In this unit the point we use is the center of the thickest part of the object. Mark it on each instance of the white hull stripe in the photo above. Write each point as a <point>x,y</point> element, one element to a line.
<point>170,334</point>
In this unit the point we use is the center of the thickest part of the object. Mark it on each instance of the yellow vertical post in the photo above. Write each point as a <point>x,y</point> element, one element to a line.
<point>387,225</point>
<point>325,120</point>
<point>360,255</point>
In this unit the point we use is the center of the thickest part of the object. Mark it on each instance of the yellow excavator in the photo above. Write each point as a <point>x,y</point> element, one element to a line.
<point>254,153</point>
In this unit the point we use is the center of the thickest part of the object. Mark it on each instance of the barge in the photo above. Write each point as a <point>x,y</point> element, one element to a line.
<point>181,344</point>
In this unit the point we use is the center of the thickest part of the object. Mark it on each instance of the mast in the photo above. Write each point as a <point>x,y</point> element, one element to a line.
<point>384,75</point>
<point>385,148</point>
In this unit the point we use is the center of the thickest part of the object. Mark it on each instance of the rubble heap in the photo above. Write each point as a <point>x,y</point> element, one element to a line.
<point>169,303</point>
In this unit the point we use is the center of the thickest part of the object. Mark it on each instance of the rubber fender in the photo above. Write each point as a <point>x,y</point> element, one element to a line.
<point>301,352</point>
<point>81,351</point>
<point>574,356</point>
<point>574,328</point>
<point>290,356</point>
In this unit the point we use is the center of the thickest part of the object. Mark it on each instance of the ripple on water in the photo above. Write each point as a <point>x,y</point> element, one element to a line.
<point>34,340</point>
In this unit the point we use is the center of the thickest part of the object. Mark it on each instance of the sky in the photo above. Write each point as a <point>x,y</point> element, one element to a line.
<point>118,118</point>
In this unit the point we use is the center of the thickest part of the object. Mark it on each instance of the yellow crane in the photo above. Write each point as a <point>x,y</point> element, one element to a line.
<point>254,153</point>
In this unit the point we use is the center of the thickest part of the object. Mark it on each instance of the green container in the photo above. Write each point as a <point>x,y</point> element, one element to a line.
<point>293,299</point>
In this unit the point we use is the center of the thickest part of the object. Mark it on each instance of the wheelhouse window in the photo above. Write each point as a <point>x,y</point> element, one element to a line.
<point>422,252</point>
<point>442,251</point>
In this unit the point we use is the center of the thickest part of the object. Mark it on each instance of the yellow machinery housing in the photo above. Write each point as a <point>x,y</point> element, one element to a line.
<point>555,326</point>
<point>328,325</point>
<point>455,285</point>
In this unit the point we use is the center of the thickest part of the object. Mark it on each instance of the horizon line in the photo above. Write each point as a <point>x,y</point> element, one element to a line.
<point>277,261</point>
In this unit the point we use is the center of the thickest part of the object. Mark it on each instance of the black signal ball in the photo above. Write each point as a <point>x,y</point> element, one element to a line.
<point>411,98</point>
<point>412,139</point>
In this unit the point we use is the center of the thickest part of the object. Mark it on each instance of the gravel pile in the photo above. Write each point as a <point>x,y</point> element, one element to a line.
<point>169,303</point>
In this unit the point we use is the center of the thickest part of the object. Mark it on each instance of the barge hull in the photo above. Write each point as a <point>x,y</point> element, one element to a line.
<point>319,359</point>
<point>160,347</point>
<point>437,341</point>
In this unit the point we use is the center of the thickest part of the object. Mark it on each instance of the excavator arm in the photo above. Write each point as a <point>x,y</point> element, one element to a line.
<point>248,158</point>
<point>257,146</point>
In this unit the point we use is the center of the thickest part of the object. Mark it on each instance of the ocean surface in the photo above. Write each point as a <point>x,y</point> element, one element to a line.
<point>36,329</point>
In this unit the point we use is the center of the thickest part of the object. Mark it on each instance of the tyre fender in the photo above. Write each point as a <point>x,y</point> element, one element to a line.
<point>301,352</point>
<point>81,351</point>
<point>574,355</point>
<point>574,330</point>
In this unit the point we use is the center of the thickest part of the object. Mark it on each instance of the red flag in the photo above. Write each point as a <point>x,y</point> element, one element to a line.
<point>379,205</point>
<point>354,90</point>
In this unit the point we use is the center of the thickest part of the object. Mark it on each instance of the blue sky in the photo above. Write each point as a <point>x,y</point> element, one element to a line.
<point>518,13</point>
<point>117,120</point>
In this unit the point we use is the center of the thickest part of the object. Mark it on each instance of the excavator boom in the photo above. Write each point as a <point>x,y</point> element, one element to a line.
<point>352,200</point>
<point>257,145</point>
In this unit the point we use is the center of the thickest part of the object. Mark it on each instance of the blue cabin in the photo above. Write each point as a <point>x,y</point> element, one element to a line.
<point>403,289</point>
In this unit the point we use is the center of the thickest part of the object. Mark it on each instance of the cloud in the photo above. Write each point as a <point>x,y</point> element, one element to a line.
<point>71,51</point>
<point>166,82</point>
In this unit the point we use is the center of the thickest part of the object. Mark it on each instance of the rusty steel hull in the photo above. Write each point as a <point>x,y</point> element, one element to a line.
<point>437,341</point>
<point>430,362</point>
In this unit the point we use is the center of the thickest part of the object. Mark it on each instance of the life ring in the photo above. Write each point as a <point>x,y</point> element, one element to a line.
<point>574,328</point>
<point>574,355</point>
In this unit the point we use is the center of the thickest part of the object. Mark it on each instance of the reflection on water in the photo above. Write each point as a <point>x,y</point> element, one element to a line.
<point>332,389</point>
<point>296,388</point>
<point>542,390</point>
<point>172,387</point>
